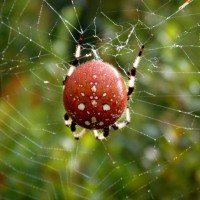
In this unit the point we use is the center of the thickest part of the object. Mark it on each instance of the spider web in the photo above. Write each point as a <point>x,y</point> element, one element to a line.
<point>156,156</point>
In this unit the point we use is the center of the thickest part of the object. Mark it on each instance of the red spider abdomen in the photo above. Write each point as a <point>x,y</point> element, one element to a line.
<point>95,95</point>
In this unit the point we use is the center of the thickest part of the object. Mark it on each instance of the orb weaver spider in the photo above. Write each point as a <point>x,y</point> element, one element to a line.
<point>95,95</point>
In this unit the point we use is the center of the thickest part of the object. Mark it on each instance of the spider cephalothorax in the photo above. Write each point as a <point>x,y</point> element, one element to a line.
<point>95,95</point>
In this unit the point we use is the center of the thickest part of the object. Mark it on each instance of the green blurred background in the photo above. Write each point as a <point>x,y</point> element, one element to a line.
<point>156,157</point>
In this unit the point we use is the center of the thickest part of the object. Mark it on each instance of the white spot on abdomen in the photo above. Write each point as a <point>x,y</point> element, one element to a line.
<point>81,106</point>
<point>101,123</point>
<point>93,120</point>
<point>87,123</point>
<point>94,103</point>
<point>94,89</point>
<point>106,107</point>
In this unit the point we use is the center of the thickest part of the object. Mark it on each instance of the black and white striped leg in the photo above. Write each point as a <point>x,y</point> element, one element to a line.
<point>131,85</point>
<point>68,120</point>
<point>75,134</point>
<point>101,136</point>
<point>132,73</point>
<point>72,125</point>
<point>76,59</point>
<point>124,123</point>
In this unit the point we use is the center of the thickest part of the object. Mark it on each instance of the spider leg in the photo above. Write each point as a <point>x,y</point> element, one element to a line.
<point>67,119</point>
<point>124,123</point>
<point>131,75</point>
<point>72,125</point>
<point>74,63</point>
<point>101,136</point>
<point>72,67</point>
<point>131,86</point>
<point>75,134</point>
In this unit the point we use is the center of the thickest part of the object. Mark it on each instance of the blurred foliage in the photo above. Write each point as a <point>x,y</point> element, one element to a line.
<point>156,157</point>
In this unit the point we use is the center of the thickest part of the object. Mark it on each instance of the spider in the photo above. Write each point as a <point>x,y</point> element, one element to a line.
<point>95,95</point>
